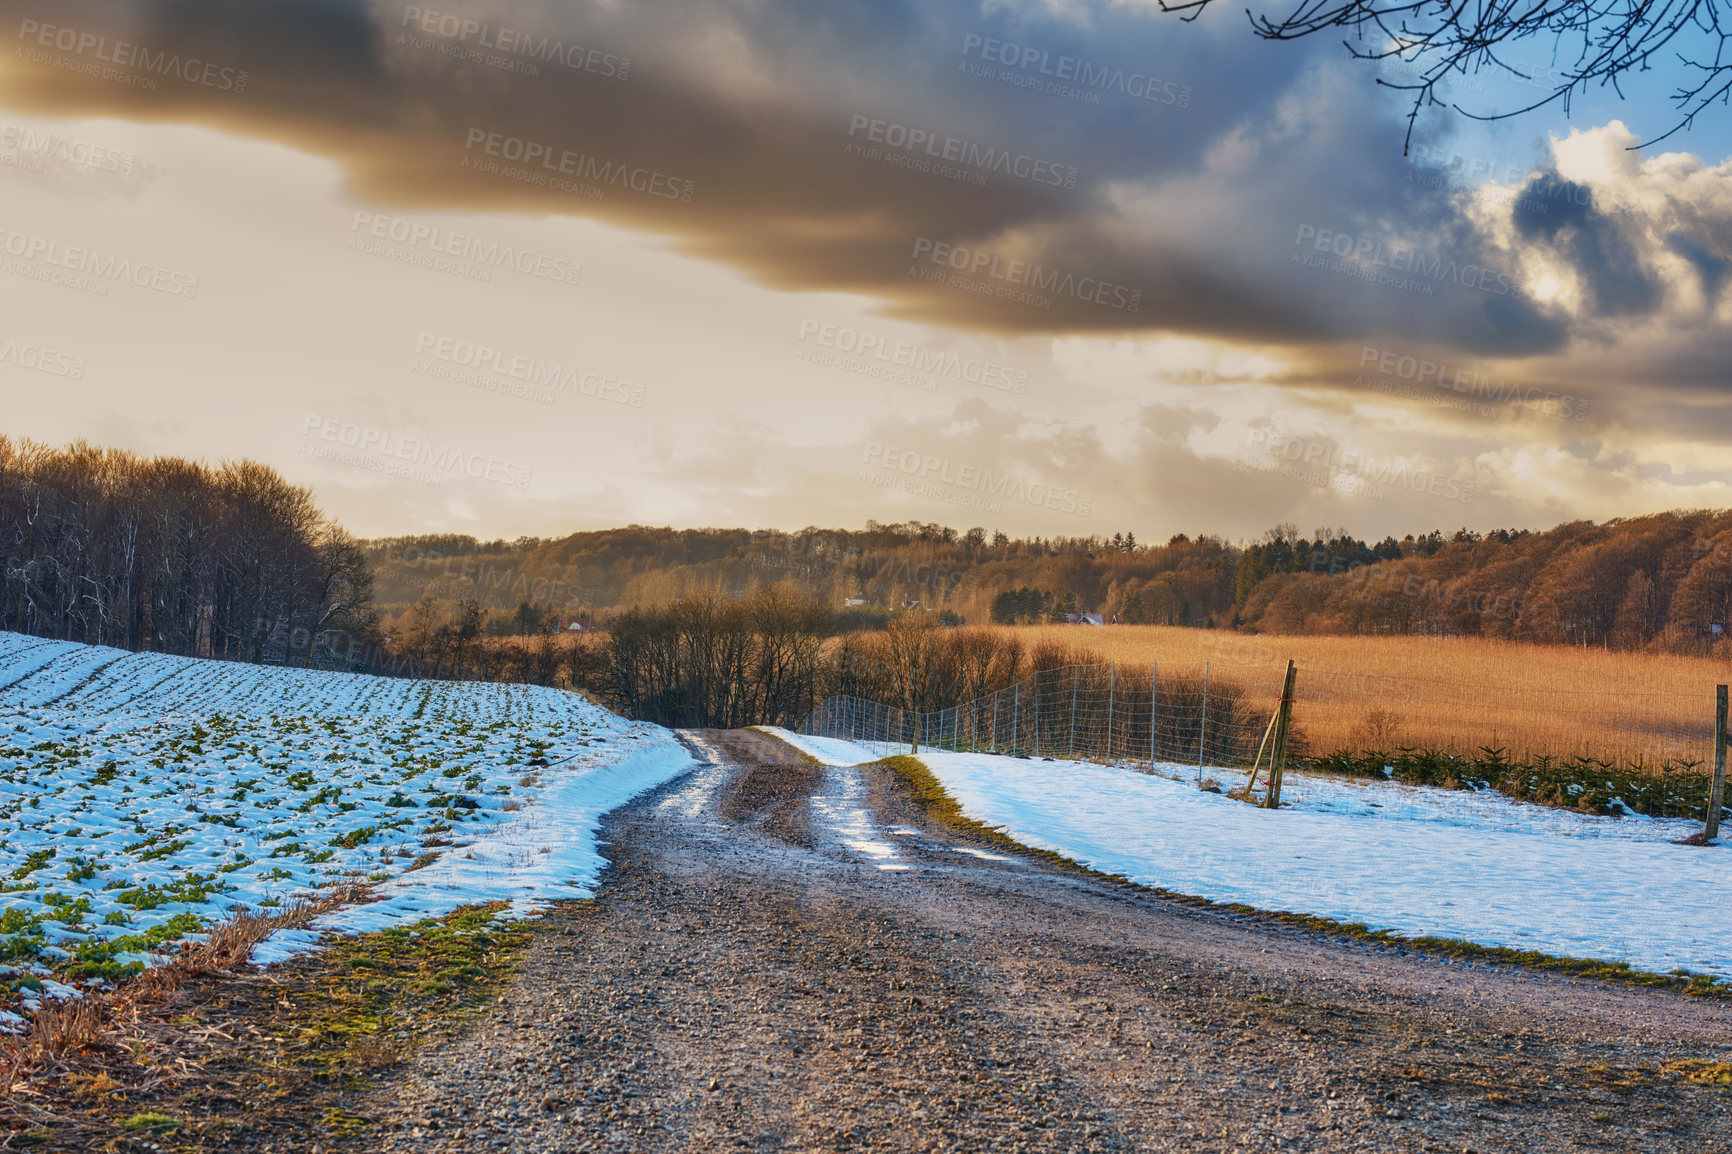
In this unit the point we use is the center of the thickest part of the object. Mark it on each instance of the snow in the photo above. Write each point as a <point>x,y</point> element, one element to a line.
<point>1414,860</point>
<point>143,796</point>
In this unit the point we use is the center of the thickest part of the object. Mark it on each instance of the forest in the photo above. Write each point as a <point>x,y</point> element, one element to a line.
<point>1659,583</point>
<point>233,561</point>
<point>108,548</point>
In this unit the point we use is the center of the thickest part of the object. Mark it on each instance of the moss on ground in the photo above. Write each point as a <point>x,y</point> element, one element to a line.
<point>289,1054</point>
<point>376,993</point>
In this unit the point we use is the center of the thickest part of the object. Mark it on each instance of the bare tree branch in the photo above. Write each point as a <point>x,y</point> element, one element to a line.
<point>1592,43</point>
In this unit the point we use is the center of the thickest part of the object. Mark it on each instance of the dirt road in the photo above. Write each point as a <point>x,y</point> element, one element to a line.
<point>792,958</point>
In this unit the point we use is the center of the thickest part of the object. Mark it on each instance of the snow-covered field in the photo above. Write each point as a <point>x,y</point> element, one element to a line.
<point>1412,859</point>
<point>142,796</point>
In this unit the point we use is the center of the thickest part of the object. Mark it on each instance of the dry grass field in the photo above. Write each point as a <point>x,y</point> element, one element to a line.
<point>1454,695</point>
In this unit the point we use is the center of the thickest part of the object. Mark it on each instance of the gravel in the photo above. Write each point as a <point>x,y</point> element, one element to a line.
<point>751,976</point>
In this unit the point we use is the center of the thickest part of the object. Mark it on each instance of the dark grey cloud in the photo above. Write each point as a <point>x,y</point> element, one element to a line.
<point>1222,186</point>
<point>1598,247</point>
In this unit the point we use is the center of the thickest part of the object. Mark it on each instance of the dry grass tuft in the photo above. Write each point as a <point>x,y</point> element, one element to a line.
<point>85,1034</point>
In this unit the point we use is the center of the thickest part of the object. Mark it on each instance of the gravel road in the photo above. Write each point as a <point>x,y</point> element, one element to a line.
<point>792,958</point>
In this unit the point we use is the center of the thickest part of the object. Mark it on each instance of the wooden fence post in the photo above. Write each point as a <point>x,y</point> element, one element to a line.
<point>1036,713</point>
<point>1203,725</point>
<point>1717,790</point>
<point>1075,673</point>
<point>1154,696</point>
<point>1112,691</point>
<point>1278,759</point>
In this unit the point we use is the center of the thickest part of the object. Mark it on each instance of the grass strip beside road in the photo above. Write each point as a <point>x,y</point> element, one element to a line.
<point>225,1057</point>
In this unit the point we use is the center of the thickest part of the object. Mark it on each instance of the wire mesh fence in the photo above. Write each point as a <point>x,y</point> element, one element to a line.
<point>1465,708</point>
<point>1566,746</point>
<point>1214,714</point>
<point>1107,712</point>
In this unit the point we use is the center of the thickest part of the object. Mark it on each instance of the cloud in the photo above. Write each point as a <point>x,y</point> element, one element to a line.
<point>1017,168</point>
<point>1021,170</point>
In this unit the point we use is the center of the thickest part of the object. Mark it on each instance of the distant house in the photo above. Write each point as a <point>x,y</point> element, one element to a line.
<point>1084,619</point>
<point>854,602</point>
<point>575,625</point>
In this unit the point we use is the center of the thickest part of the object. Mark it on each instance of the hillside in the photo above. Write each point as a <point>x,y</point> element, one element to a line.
<point>1663,581</point>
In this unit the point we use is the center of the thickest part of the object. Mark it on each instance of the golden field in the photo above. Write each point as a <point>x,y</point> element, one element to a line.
<point>1452,694</point>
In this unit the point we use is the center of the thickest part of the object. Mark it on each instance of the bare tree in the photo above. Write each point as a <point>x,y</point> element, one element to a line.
<point>1592,43</point>
<point>103,547</point>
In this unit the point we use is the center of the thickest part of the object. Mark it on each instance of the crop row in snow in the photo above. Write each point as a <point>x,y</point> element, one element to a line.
<point>144,796</point>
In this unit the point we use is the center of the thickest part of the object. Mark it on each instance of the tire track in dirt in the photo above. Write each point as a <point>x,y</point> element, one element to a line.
<point>783,957</point>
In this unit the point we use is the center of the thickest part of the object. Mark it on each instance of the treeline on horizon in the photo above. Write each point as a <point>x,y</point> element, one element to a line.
<point>1661,582</point>
<point>232,561</point>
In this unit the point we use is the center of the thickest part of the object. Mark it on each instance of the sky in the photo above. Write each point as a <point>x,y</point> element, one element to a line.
<point>1052,267</point>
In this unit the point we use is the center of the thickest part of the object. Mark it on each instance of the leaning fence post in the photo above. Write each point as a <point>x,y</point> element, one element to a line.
<point>1278,756</point>
<point>1717,790</point>
<point>1203,725</point>
<point>1154,687</point>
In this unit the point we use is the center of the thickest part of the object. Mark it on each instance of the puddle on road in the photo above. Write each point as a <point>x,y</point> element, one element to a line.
<point>979,853</point>
<point>691,798</point>
<point>839,809</point>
